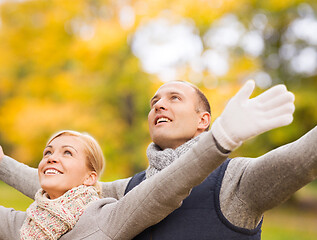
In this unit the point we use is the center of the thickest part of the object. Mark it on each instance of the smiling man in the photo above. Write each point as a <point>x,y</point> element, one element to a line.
<point>177,115</point>
<point>231,201</point>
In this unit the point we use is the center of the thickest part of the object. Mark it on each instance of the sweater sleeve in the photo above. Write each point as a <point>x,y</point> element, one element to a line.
<point>20,176</point>
<point>10,224</point>
<point>252,186</point>
<point>114,189</point>
<point>156,197</point>
<point>25,179</point>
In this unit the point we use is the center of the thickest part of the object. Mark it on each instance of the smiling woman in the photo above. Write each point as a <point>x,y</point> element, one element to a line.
<point>68,205</point>
<point>65,166</point>
<point>68,175</point>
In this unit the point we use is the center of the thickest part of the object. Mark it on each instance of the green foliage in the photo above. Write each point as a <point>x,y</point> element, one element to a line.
<point>288,223</point>
<point>11,198</point>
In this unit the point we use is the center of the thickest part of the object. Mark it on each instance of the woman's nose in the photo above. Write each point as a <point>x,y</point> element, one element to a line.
<point>52,159</point>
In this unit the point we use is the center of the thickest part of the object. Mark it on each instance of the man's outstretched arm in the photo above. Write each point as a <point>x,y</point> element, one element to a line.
<point>252,186</point>
<point>242,119</point>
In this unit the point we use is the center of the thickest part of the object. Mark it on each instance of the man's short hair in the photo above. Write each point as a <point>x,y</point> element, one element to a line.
<point>203,103</point>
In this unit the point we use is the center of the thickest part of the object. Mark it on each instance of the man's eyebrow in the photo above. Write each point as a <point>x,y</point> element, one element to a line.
<point>169,93</point>
<point>155,96</point>
<point>64,146</point>
<point>175,92</point>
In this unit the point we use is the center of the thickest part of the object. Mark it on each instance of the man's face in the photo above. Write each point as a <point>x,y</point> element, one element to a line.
<point>173,119</point>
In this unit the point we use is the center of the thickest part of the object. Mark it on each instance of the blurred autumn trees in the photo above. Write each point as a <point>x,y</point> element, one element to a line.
<point>53,78</point>
<point>75,65</point>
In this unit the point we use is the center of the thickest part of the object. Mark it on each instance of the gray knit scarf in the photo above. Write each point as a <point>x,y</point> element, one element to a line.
<point>159,159</point>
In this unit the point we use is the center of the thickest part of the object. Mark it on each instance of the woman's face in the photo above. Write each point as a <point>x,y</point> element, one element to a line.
<point>63,166</point>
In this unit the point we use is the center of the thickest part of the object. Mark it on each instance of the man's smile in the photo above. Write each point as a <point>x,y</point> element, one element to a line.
<point>161,119</point>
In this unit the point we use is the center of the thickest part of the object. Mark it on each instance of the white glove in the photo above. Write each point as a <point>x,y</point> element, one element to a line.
<point>244,118</point>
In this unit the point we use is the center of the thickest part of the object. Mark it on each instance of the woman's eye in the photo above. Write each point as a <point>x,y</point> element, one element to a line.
<point>174,97</point>
<point>47,153</point>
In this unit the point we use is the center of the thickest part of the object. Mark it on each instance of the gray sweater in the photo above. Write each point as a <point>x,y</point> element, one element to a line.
<point>250,186</point>
<point>145,205</point>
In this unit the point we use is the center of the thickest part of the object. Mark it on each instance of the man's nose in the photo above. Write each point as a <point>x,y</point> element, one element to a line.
<point>160,105</point>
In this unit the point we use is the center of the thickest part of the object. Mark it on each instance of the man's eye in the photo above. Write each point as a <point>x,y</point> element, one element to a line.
<point>175,97</point>
<point>68,153</point>
<point>153,102</point>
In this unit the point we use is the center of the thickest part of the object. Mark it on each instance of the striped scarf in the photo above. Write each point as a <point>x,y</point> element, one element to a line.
<point>50,219</point>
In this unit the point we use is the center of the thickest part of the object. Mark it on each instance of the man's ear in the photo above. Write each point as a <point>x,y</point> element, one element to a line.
<point>91,179</point>
<point>204,121</point>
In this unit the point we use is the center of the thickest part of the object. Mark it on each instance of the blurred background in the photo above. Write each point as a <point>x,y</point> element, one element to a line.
<point>93,65</point>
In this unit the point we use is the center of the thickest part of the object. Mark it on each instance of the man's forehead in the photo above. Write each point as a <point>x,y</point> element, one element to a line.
<point>175,87</point>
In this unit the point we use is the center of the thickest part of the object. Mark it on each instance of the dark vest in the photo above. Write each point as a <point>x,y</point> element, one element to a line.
<point>199,217</point>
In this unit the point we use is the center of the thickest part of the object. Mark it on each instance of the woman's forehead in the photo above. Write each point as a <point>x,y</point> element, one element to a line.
<point>68,140</point>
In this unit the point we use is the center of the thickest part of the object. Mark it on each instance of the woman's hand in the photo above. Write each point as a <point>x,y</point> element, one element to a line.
<point>1,154</point>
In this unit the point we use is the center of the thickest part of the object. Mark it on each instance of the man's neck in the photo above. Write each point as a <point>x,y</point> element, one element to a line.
<point>177,143</point>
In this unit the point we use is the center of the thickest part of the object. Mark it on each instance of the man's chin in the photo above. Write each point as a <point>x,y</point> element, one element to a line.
<point>166,142</point>
<point>161,141</point>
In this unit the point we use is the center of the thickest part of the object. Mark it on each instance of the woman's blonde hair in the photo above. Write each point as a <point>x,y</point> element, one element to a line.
<point>95,157</point>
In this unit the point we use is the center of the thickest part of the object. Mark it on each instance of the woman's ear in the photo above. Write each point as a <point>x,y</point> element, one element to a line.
<point>91,179</point>
<point>204,121</point>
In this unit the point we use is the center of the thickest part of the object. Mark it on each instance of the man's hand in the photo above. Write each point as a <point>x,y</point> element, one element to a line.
<point>244,118</point>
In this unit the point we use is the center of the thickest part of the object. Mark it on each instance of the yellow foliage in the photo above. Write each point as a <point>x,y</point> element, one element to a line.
<point>66,65</point>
